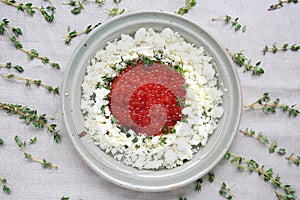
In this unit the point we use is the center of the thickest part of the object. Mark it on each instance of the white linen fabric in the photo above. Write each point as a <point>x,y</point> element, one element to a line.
<point>73,178</point>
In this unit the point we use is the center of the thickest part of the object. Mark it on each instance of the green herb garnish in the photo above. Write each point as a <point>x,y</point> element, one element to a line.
<point>240,59</point>
<point>274,48</point>
<point>265,104</point>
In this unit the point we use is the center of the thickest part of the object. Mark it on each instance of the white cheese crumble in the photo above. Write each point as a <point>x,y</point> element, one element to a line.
<point>203,98</point>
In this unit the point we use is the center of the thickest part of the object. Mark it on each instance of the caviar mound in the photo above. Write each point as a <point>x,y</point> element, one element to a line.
<point>144,98</point>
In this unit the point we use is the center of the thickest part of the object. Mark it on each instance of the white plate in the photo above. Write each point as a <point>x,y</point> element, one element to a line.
<point>151,180</point>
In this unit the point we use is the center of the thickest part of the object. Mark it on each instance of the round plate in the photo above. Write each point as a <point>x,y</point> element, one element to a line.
<point>151,180</point>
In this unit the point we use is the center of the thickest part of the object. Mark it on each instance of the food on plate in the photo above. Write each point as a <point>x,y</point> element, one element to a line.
<point>151,99</point>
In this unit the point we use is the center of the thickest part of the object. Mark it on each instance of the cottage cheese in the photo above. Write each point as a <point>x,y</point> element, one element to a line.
<point>202,95</point>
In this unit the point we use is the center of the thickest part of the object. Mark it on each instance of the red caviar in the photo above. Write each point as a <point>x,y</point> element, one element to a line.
<point>144,98</point>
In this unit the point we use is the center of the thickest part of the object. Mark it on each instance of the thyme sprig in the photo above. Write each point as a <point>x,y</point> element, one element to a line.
<point>5,188</point>
<point>265,104</point>
<point>75,33</point>
<point>224,190</point>
<point>13,33</point>
<point>1,142</point>
<point>273,146</point>
<point>233,21</point>
<point>115,11</point>
<point>29,82</point>
<point>268,175</point>
<point>33,53</point>
<point>185,9</point>
<point>9,65</point>
<point>48,12</point>
<point>281,3</point>
<point>78,5</point>
<point>28,156</point>
<point>32,118</point>
<point>240,59</point>
<point>274,48</point>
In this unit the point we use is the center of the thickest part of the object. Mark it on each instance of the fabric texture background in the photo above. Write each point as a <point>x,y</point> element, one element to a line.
<point>73,178</point>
